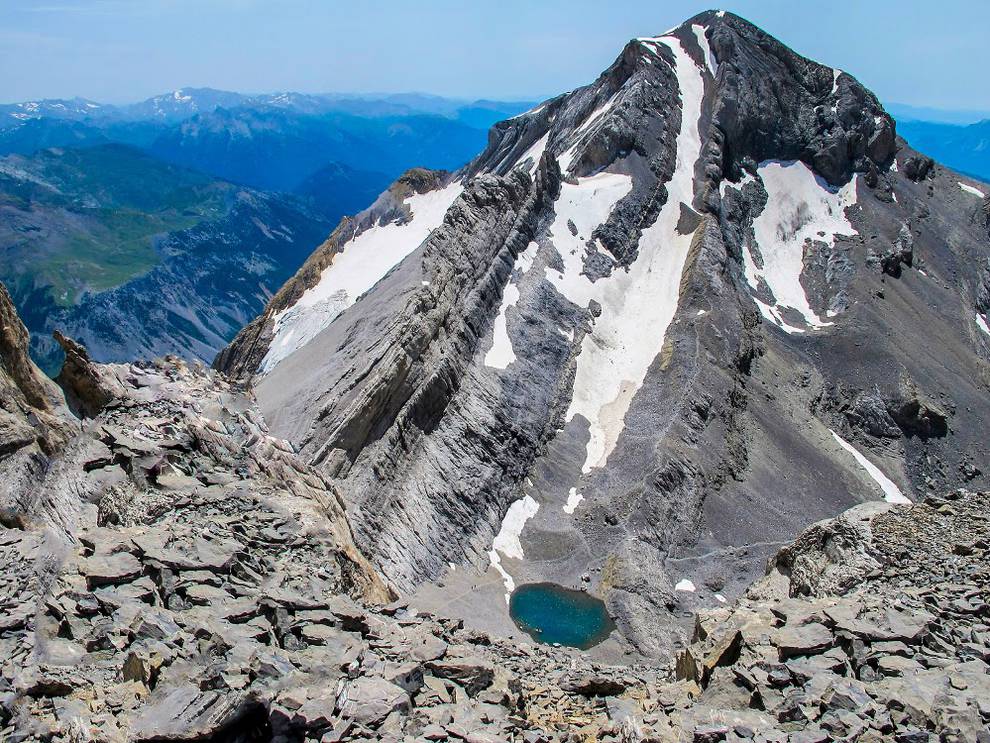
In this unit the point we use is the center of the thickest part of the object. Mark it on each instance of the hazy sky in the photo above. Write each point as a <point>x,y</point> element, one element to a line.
<point>913,51</point>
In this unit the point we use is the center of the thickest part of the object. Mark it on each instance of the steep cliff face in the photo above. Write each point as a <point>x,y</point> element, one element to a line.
<point>657,327</point>
<point>34,423</point>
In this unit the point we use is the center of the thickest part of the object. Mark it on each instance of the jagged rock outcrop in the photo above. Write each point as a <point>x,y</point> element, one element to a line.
<point>657,327</point>
<point>34,424</point>
<point>88,388</point>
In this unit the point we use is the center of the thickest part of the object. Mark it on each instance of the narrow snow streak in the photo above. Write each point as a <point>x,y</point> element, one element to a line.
<point>359,265</point>
<point>507,539</point>
<point>706,49</point>
<point>534,153</point>
<point>835,80</point>
<point>564,161</point>
<point>981,321</point>
<point>891,493</point>
<point>800,206</point>
<point>616,354</point>
<point>501,354</point>
<point>970,189</point>
<point>531,112</point>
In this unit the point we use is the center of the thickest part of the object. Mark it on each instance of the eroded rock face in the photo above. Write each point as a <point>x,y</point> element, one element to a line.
<point>664,322</point>
<point>34,424</point>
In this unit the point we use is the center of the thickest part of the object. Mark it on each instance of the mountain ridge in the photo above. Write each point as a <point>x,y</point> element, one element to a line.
<point>702,444</point>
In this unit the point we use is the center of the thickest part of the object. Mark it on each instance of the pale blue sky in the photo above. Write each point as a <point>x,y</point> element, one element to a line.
<point>914,51</point>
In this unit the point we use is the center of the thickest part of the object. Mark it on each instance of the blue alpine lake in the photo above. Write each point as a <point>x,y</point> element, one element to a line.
<point>550,613</point>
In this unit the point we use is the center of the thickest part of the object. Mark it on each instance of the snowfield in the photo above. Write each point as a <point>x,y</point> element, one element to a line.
<point>800,207</point>
<point>616,354</point>
<point>574,498</point>
<point>359,265</point>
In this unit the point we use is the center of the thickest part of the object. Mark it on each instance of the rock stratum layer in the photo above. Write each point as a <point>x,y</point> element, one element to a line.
<point>656,328</point>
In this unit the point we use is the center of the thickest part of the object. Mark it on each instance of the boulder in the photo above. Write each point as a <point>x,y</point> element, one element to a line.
<point>369,700</point>
<point>472,673</point>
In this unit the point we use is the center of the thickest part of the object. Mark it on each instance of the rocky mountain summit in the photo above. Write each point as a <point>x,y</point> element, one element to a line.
<point>660,325</point>
<point>703,338</point>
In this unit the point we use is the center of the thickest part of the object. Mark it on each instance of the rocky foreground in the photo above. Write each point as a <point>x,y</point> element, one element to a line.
<point>211,593</point>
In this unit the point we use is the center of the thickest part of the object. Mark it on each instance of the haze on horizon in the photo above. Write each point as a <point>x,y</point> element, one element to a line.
<point>116,51</point>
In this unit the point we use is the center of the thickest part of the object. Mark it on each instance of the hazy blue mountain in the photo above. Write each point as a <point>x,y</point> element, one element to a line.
<point>903,112</point>
<point>162,226</point>
<point>964,148</point>
<point>278,149</point>
<point>346,190</point>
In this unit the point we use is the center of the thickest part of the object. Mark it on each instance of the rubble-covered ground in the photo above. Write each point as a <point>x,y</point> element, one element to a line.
<point>210,590</point>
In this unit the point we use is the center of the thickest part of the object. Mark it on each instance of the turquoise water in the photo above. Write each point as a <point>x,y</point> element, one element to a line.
<point>550,613</point>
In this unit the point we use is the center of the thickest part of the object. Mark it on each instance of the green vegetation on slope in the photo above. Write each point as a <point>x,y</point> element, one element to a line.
<point>85,220</point>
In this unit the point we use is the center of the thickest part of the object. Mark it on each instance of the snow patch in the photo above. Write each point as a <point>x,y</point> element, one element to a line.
<point>573,499</point>
<point>531,112</point>
<point>500,355</point>
<point>981,321</point>
<point>800,206</point>
<point>720,598</point>
<point>706,49</point>
<point>835,80</point>
<point>684,585</point>
<point>969,189</point>
<point>357,267</point>
<point>616,354</point>
<point>507,539</point>
<point>891,493</point>
<point>893,165</point>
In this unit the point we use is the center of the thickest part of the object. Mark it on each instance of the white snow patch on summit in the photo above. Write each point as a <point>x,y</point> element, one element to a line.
<point>507,539</point>
<point>891,493</point>
<point>616,354</point>
<point>801,206</point>
<point>970,189</point>
<point>357,267</point>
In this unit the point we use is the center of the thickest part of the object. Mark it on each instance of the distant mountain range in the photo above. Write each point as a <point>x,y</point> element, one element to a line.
<point>965,148</point>
<point>102,206</point>
<point>183,103</point>
<point>958,138</point>
<point>139,258</point>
